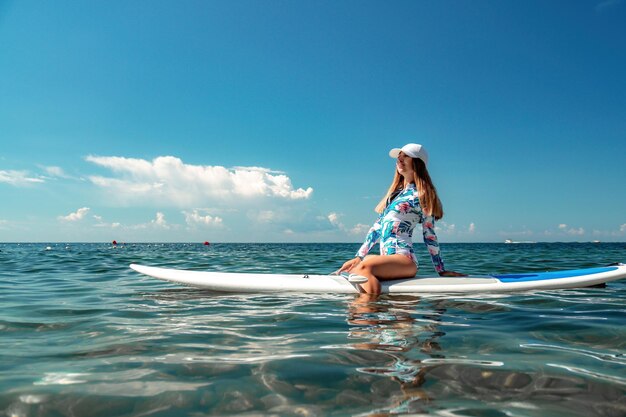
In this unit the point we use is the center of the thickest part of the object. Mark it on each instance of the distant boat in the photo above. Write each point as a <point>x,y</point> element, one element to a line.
<point>515,241</point>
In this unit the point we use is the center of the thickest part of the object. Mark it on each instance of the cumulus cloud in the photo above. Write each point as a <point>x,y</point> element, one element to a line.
<point>333,218</point>
<point>297,217</point>
<point>114,225</point>
<point>571,230</point>
<point>159,221</point>
<point>445,228</point>
<point>194,218</point>
<point>102,224</point>
<point>358,229</point>
<point>76,216</point>
<point>615,233</point>
<point>447,231</point>
<point>18,178</point>
<point>174,182</point>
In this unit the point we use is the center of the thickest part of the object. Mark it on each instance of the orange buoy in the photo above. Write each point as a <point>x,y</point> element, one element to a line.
<point>206,243</point>
<point>115,242</point>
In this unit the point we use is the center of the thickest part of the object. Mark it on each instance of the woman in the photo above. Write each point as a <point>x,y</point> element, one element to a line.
<point>411,199</point>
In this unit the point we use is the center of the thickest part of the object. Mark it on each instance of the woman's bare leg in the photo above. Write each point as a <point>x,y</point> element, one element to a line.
<point>383,267</point>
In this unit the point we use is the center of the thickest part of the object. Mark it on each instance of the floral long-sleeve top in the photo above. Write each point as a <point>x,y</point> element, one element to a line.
<point>394,229</point>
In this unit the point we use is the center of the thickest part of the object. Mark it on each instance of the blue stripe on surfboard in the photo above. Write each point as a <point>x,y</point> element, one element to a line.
<point>552,275</point>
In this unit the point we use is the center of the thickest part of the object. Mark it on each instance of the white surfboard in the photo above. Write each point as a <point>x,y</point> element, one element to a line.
<point>255,282</point>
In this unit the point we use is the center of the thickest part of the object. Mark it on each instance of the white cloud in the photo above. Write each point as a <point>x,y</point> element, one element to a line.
<point>114,225</point>
<point>619,232</point>
<point>571,230</point>
<point>297,217</point>
<point>170,181</point>
<point>195,218</point>
<point>360,229</point>
<point>102,224</point>
<point>18,178</point>
<point>445,228</point>
<point>447,231</point>
<point>76,216</point>
<point>55,171</point>
<point>160,221</point>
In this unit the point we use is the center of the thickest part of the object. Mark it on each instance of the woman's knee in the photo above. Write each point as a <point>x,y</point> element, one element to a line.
<point>365,266</point>
<point>362,268</point>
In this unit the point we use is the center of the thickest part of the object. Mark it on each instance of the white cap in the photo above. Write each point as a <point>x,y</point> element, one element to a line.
<point>413,150</point>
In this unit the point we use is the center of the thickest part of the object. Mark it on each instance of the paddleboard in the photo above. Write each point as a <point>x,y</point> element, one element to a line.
<point>254,282</point>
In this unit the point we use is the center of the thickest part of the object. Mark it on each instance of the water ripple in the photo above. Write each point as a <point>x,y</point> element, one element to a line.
<point>81,334</point>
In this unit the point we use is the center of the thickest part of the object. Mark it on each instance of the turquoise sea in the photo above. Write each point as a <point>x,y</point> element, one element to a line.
<point>83,335</point>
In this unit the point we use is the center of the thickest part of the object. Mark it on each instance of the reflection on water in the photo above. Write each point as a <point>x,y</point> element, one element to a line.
<point>427,380</point>
<point>81,334</point>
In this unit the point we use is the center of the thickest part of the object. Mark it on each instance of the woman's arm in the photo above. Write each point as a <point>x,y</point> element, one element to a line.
<point>348,265</point>
<point>430,239</point>
<point>373,236</point>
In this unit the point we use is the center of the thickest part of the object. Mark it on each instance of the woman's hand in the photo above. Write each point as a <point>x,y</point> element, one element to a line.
<point>451,274</point>
<point>348,265</point>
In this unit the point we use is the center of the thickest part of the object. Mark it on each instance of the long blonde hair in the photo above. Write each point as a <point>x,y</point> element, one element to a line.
<point>429,200</point>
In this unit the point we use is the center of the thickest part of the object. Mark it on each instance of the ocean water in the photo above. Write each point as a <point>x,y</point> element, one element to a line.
<point>83,335</point>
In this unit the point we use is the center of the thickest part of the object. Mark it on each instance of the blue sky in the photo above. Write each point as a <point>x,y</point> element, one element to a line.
<point>270,121</point>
